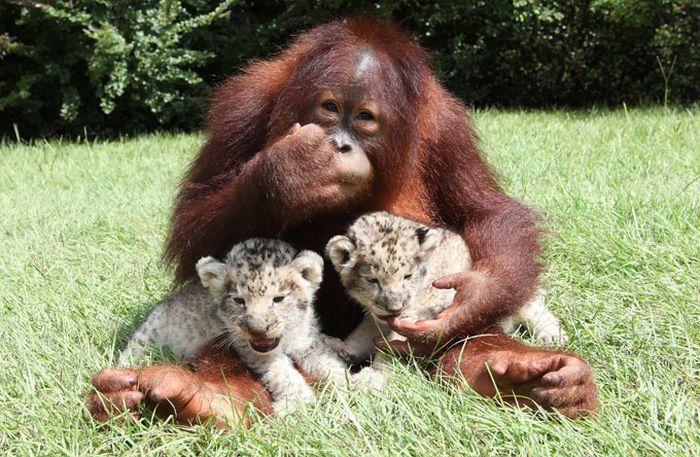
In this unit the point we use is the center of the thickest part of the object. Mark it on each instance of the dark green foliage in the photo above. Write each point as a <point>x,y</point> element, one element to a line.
<point>128,66</point>
<point>105,66</point>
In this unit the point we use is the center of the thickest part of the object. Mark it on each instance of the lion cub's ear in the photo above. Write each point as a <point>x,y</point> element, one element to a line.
<point>213,274</point>
<point>428,239</point>
<point>342,252</point>
<point>310,265</point>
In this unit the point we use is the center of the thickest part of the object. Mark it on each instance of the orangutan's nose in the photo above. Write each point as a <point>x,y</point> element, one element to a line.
<point>342,142</point>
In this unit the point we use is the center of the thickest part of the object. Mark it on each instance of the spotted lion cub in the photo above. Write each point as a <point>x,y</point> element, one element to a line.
<point>261,298</point>
<point>388,264</point>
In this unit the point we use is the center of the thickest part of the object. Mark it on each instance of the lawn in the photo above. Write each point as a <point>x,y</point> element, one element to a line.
<point>82,228</point>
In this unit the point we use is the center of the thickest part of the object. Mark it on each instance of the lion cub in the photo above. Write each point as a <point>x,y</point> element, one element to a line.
<point>261,299</point>
<point>388,264</point>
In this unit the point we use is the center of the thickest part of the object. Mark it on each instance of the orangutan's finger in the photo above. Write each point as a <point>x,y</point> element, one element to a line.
<point>572,373</point>
<point>451,281</point>
<point>499,366</point>
<point>519,371</point>
<point>417,330</point>
<point>130,399</point>
<point>555,397</point>
<point>168,388</point>
<point>114,380</point>
<point>105,406</point>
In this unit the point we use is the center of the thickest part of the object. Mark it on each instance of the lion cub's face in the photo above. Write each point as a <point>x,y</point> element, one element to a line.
<point>382,260</point>
<point>265,288</point>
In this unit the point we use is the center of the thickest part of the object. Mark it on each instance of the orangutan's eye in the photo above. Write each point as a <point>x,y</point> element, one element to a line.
<point>278,298</point>
<point>239,300</point>
<point>365,116</point>
<point>330,106</point>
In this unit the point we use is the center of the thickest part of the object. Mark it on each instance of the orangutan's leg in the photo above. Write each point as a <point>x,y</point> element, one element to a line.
<point>220,387</point>
<point>496,364</point>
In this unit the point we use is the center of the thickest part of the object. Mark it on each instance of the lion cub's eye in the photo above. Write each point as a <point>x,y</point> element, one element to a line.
<point>372,280</point>
<point>278,298</point>
<point>239,300</point>
<point>408,276</point>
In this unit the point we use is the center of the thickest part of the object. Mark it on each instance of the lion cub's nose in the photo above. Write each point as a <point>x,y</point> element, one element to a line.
<point>256,332</point>
<point>394,308</point>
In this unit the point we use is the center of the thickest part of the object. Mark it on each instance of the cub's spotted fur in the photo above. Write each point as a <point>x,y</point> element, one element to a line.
<point>388,264</point>
<point>261,298</point>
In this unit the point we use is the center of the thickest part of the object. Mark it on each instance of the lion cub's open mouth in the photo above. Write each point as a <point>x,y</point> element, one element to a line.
<point>387,315</point>
<point>264,344</point>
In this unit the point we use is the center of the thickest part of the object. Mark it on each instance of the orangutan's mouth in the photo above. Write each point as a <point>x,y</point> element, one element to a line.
<point>264,344</point>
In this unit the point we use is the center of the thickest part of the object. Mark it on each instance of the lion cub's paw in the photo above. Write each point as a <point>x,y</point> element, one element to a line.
<point>293,402</point>
<point>551,335</point>
<point>336,344</point>
<point>341,348</point>
<point>368,379</point>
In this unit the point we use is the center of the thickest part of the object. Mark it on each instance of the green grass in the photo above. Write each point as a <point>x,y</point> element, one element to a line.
<point>81,233</point>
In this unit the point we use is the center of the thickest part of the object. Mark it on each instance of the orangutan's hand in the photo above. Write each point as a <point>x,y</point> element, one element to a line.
<point>114,392</point>
<point>305,173</point>
<point>456,321</point>
<point>168,390</point>
<point>552,380</point>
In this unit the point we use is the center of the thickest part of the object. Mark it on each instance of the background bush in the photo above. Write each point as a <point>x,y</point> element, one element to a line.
<point>126,66</point>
